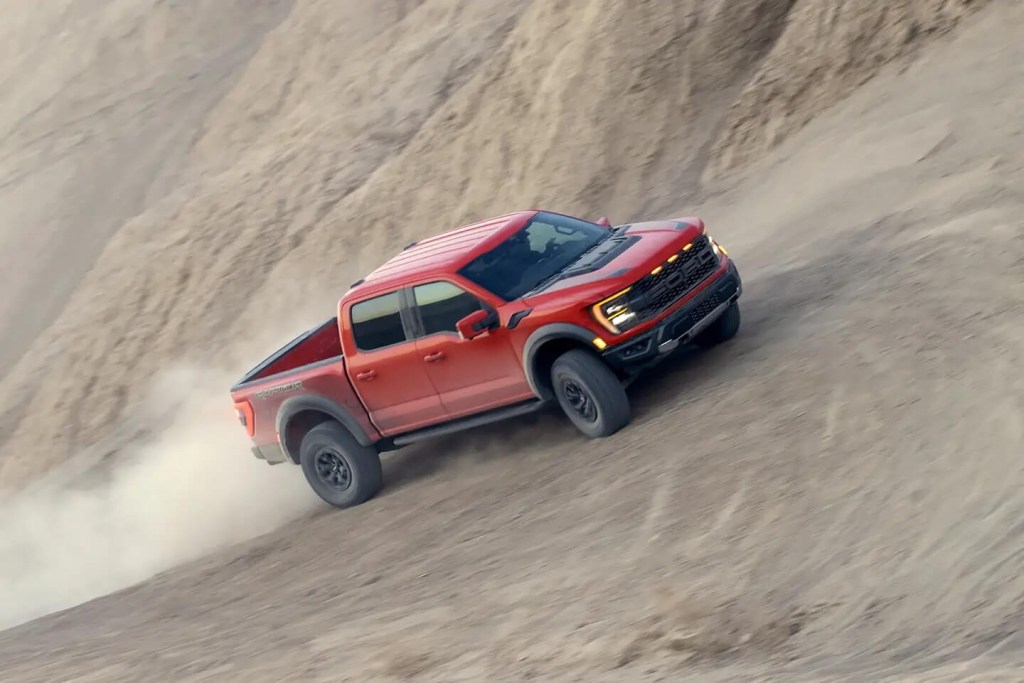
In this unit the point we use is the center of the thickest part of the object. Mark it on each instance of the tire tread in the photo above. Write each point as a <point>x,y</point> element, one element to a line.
<point>364,462</point>
<point>605,388</point>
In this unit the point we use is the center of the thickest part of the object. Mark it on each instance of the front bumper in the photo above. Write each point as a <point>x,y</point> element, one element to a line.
<point>679,327</point>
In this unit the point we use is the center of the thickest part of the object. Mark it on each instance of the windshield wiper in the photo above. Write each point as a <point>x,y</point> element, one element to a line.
<point>557,275</point>
<point>540,286</point>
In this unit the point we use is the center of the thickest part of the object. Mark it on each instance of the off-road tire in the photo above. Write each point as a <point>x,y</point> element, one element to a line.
<point>722,330</point>
<point>339,469</point>
<point>579,375</point>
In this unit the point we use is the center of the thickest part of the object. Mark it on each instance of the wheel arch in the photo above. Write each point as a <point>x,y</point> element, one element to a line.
<point>545,345</point>
<point>300,414</point>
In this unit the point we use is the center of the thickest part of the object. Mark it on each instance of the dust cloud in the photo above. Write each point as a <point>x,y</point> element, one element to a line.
<point>184,491</point>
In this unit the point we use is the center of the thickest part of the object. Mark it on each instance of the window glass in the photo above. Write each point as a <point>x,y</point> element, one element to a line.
<point>377,322</point>
<point>443,304</point>
<point>533,256</point>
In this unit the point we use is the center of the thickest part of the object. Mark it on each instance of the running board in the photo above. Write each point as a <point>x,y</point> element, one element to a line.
<point>470,422</point>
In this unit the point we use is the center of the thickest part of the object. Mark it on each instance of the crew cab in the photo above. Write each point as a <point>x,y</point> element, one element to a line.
<point>482,323</point>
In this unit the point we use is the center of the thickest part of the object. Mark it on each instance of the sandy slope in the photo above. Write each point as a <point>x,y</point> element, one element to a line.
<point>356,127</point>
<point>100,104</point>
<point>834,495</point>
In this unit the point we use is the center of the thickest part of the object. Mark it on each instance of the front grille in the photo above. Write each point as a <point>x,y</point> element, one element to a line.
<point>652,294</point>
<point>704,308</point>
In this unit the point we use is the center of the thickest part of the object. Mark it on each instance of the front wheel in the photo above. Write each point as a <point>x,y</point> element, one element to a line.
<point>590,394</point>
<point>341,470</point>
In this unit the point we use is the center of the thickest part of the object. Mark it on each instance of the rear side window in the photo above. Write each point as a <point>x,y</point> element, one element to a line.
<point>442,304</point>
<point>377,322</point>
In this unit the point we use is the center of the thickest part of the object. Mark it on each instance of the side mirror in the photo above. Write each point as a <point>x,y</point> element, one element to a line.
<point>603,220</point>
<point>476,323</point>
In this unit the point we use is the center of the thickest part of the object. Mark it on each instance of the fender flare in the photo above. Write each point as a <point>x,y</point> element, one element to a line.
<point>541,336</point>
<point>296,404</point>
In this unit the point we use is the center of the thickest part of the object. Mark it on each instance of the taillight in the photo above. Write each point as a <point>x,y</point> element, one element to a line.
<point>243,409</point>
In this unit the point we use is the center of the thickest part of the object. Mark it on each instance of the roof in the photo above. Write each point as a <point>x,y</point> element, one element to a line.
<point>447,251</point>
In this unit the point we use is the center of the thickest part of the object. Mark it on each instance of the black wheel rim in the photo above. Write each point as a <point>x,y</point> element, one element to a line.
<point>333,470</point>
<point>579,400</point>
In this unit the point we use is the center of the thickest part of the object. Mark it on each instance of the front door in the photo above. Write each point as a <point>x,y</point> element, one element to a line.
<point>387,370</point>
<point>469,375</point>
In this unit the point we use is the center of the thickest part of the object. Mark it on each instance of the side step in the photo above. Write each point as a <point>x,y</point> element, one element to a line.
<point>470,422</point>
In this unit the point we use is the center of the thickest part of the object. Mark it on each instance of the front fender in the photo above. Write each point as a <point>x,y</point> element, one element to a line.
<point>543,335</point>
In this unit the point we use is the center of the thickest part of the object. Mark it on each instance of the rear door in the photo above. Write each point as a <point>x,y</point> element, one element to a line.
<point>470,375</point>
<point>387,369</point>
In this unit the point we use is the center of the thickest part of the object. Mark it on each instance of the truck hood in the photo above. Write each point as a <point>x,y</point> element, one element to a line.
<point>631,251</point>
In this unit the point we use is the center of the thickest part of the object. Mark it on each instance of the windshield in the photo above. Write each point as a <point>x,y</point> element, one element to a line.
<point>542,249</point>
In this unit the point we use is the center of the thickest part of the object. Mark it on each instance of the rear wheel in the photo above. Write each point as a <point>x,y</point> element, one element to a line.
<point>722,330</point>
<point>340,470</point>
<point>590,394</point>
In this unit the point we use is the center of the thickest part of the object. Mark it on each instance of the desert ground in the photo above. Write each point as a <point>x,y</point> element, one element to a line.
<point>834,495</point>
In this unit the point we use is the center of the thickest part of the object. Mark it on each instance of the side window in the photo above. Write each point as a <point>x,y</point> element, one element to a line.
<point>442,304</point>
<point>377,322</point>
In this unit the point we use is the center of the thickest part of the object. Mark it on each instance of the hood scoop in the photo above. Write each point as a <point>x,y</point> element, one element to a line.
<point>601,255</point>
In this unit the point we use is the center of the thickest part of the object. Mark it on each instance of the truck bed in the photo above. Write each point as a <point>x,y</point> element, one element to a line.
<point>318,344</point>
<point>308,373</point>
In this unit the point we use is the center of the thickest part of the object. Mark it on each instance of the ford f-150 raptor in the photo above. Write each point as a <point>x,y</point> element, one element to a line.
<point>482,323</point>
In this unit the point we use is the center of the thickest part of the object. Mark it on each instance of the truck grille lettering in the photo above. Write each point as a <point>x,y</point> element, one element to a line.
<point>652,294</point>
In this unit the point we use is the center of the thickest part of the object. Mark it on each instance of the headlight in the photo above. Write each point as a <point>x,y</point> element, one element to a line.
<point>614,313</point>
<point>715,246</point>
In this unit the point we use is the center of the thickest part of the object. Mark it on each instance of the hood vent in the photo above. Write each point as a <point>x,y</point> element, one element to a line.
<point>601,255</point>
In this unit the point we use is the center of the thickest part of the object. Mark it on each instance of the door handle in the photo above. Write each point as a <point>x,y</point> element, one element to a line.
<point>434,357</point>
<point>367,375</point>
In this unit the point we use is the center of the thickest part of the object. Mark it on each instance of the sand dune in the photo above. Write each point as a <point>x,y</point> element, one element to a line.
<point>351,130</point>
<point>834,496</point>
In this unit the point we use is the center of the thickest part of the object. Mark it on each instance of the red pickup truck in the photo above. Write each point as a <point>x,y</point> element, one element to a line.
<point>482,323</point>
